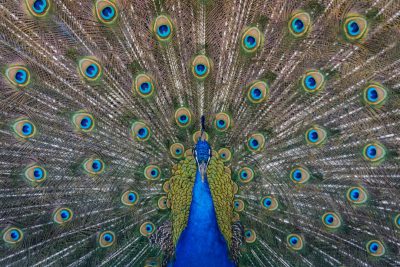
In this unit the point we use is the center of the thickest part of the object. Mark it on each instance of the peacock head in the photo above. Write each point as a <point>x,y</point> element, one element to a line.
<point>202,151</point>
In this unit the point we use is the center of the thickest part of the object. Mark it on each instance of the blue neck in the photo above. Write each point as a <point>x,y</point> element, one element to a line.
<point>201,243</point>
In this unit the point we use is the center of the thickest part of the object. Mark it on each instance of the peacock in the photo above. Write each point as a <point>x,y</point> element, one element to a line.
<point>206,133</point>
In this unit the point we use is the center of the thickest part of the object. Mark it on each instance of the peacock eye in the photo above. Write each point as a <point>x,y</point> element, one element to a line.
<point>258,92</point>
<point>94,166</point>
<point>299,24</point>
<point>18,76</point>
<point>251,40</point>
<point>197,135</point>
<point>62,215</point>
<point>313,81</point>
<point>356,195</point>
<point>295,241</point>
<point>331,220</point>
<point>152,262</point>
<point>38,8</point>
<point>269,203</point>
<point>106,239</point>
<point>245,174</point>
<point>106,11</point>
<point>249,235</point>
<point>144,85</point>
<point>225,154</point>
<point>152,172</point>
<point>35,174</point>
<point>147,228</point>
<point>129,198</point>
<point>397,220</point>
<point>201,67</point>
<point>255,142</point>
<point>222,122</point>
<point>183,117</point>
<point>163,28</point>
<point>316,135</point>
<point>375,248</point>
<point>375,95</point>
<point>24,128</point>
<point>299,175</point>
<point>140,131</point>
<point>12,235</point>
<point>83,121</point>
<point>177,150</point>
<point>238,205</point>
<point>355,27</point>
<point>90,69</point>
<point>374,152</point>
<point>163,203</point>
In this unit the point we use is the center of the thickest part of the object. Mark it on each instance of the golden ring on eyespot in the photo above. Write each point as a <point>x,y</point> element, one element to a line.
<point>295,241</point>
<point>163,203</point>
<point>106,239</point>
<point>255,142</point>
<point>152,172</point>
<point>375,94</point>
<point>38,8</point>
<point>258,92</point>
<point>35,174</point>
<point>130,198</point>
<point>201,67</point>
<point>249,235</point>
<point>106,11</point>
<point>355,27</point>
<point>166,186</point>
<point>163,28</point>
<point>183,117</point>
<point>235,188</point>
<point>356,195</point>
<point>90,68</point>
<point>316,135</point>
<point>94,165</point>
<point>375,248</point>
<point>177,150</point>
<point>331,220</point>
<point>144,85</point>
<point>245,174</point>
<point>374,152</point>
<point>18,75</point>
<point>225,154</point>
<point>24,128</point>
<point>313,81</point>
<point>300,175</point>
<point>62,215</point>
<point>222,122</point>
<point>197,135</point>
<point>269,203</point>
<point>251,40</point>
<point>147,228</point>
<point>238,205</point>
<point>83,121</point>
<point>140,131</point>
<point>299,23</point>
<point>12,235</point>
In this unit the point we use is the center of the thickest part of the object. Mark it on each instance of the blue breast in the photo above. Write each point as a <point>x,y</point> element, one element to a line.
<point>201,243</point>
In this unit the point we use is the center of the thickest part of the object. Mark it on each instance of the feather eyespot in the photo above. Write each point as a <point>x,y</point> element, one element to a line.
<point>374,152</point>
<point>295,241</point>
<point>147,228</point>
<point>355,27</point>
<point>106,239</point>
<point>249,235</point>
<point>238,205</point>
<point>245,174</point>
<point>222,122</point>
<point>38,8</point>
<point>300,175</point>
<point>316,135</point>
<point>197,135</point>
<point>331,220</point>
<point>152,172</point>
<point>90,69</point>
<point>177,150</point>
<point>163,203</point>
<point>94,166</point>
<point>106,11</point>
<point>35,174</point>
<point>129,198</point>
<point>258,92</point>
<point>140,131</point>
<point>357,195</point>
<point>163,29</point>
<point>225,154</point>
<point>18,76</point>
<point>255,142</point>
<point>183,117</point>
<point>375,95</point>
<point>144,85</point>
<point>269,203</point>
<point>24,128</point>
<point>12,235</point>
<point>201,67</point>
<point>299,24</point>
<point>375,248</point>
<point>313,81</point>
<point>83,121</point>
<point>62,215</point>
<point>251,40</point>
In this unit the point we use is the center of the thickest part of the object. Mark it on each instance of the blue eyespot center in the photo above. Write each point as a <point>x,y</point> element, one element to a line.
<point>221,123</point>
<point>248,234</point>
<point>313,136</point>
<point>142,133</point>
<point>14,235</point>
<point>163,30</point>
<point>329,219</point>
<point>178,151</point>
<point>371,151</point>
<point>145,88</point>
<point>223,155</point>
<point>353,28</point>
<point>64,214</point>
<point>21,76</point>
<point>154,172</point>
<point>149,228</point>
<point>183,119</point>
<point>27,129</point>
<point>254,143</point>
<point>38,173</point>
<point>131,197</point>
<point>236,204</point>
<point>297,175</point>
<point>86,122</point>
<point>201,69</point>
<point>293,240</point>
<point>108,13</point>
<point>256,93</point>
<point>108,238</point>
<point>372,94</point>
<point>267,202</point>
<point>39,6</point>
<point>92,70</point>
<point>297,25</point>
<point>373,247</point>
<point>311,83</point>
<point>355,194</point>
<point>244,174</point>
<point>250,41</point>
<point>96,165</point>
